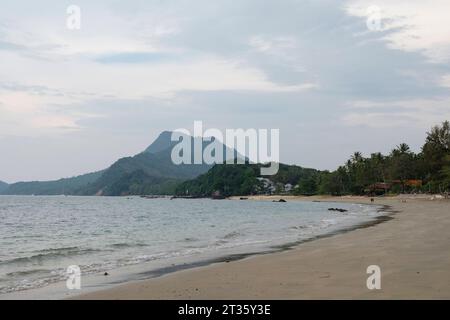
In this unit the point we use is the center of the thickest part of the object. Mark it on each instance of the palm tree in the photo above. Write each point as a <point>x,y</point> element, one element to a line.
<point>403,148</point>
<point>378,163</point>
<point>357,157</point>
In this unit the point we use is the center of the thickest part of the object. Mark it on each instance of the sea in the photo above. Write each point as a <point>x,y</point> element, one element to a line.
<point>134,238</point>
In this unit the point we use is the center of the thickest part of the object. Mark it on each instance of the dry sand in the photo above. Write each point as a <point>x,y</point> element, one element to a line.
<point>412,250</point>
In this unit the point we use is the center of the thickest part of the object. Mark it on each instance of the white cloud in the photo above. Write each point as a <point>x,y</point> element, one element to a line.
<point>25,110</point>
<point>418,113</point>
<point>73,83</point>
<point>273,44</point>
<point>412,25</point>
<point>65,62</point>
<point>224,60</point>
<point>103,30</point>
<point>445,81</point>
<point>56,122</point>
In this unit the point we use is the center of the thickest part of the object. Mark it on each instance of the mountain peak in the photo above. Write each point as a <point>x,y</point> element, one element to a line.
<point>161,143</point>
<point>164,142</point>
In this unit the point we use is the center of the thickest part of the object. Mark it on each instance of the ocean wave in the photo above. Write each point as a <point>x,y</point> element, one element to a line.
<point>227,238</point>
<point>127,245</point>
<point>47,254</point>
<point>39,278</point>
<point>27,272</point>
<point>299,227</point>
<point>189,239</point>
<point>31,284</point>
<point>231,235</point>
<point>57,249</point>
<point>26,268</point>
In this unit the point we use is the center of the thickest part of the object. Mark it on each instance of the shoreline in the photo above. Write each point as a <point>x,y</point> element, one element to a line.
<point>226,258</point>
<point>224,279</point>
<point>117,277</point>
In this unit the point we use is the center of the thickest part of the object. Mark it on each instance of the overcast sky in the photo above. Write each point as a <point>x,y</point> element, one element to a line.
<point>74,101</point>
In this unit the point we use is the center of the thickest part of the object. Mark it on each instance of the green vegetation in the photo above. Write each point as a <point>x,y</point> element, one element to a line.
<point>56,187</point>
<point>400,171</point>
<point>240,179</point>
<point>227,179</point>
<point>3,186</point>
<point>153,172</point>
<point>149,172</point>
<point>140,183</point>
<point>145,173</point>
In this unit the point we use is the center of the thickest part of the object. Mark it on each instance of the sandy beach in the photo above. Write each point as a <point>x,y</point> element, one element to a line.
<point>412,249</point>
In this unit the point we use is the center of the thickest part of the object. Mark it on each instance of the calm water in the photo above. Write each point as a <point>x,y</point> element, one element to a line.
<point>41,236</point>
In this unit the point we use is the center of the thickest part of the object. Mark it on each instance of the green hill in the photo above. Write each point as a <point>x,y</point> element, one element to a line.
<point>400,171</point>
<point>149,172</point>
<point>153,172</point>
<point>56,187</point>
<point>232,180</point>
<point>158,169</point>
<point>3,186</point>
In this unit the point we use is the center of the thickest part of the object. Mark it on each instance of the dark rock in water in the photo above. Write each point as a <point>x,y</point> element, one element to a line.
<point>337,209</point>
<point>243,198</point>
<point>106,274</point>
<point>281,200</point>
<point>151,197</point>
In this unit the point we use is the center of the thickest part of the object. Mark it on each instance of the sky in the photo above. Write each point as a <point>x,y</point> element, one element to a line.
<point>334,77</point>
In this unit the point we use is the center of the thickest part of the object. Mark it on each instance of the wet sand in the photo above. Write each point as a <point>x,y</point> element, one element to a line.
<point>412,249</point>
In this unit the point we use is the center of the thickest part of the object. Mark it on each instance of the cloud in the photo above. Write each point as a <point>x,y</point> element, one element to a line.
<point>27,110</point>
<point>445,81</point>
<point>272,45</point>
<point>420,114</point>
<point>44,100</point>
<point>411,25</point>
<point>310,68</point>
<point>135,57</point>
<point>122,52</point>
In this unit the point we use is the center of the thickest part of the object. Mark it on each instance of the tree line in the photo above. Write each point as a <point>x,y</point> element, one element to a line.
<point>401,170</point>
